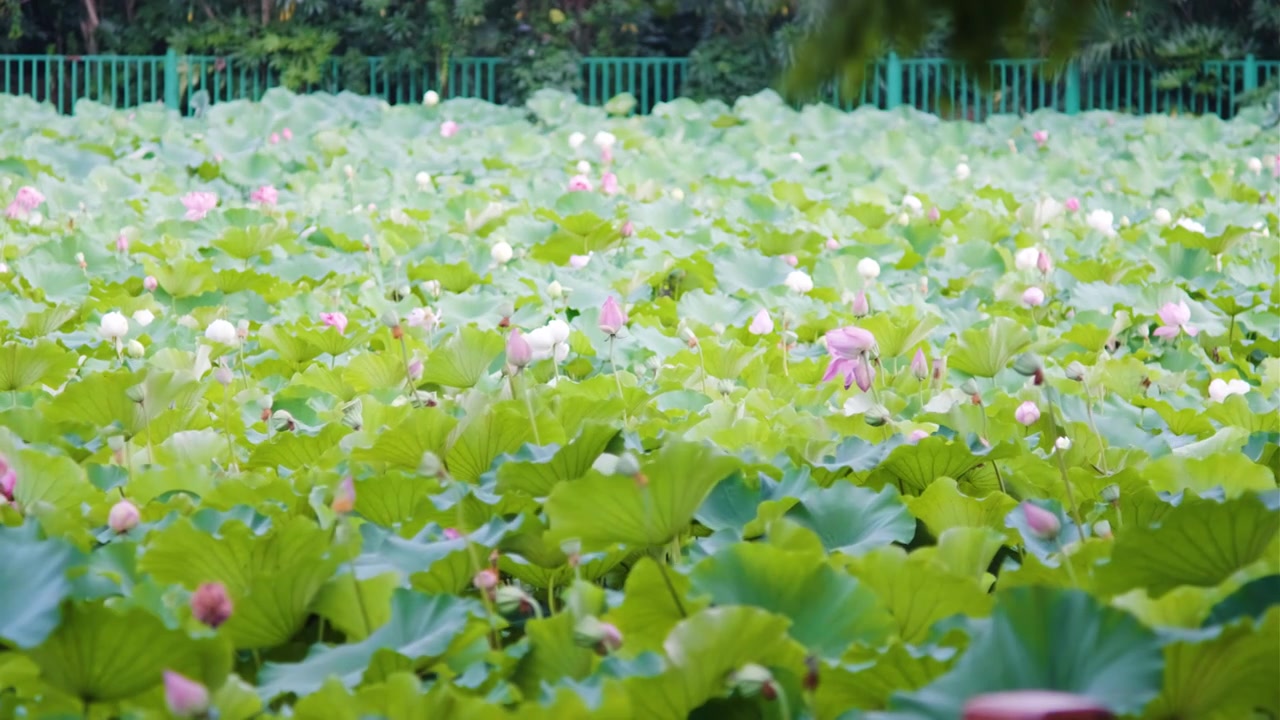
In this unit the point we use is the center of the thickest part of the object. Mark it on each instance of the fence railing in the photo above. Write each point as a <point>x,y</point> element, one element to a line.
<point>943,87</point>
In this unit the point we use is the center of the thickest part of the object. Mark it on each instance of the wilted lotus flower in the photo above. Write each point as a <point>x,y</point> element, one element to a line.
<point>1072,204</point>
<point>798,281</point>
<point>221,332</point>
<point>448,129</point>
<point>431,98</point>
<point>920,365</point>
<point>579,183</point>
<point>1175,319</point>
<point>501,252</point>
<point>1040,136</point>
<point>577,262</point>
<point>1025,259</point>
<point>519,352</point>
<point>609,184</point>
<point>199,204</point>
<point>265,195</point>
<point>211,605</point>
<point>184,697</point>
<point>123,517</point>
<point>1101,221</point>
<point>761,323</point>
<point>1033,297</point>
<point>150,283</point>
<point>8,478</point>
<point>1028,413</point>
<point>113,326</point>
<point>860,306</point>
<point>344,498</point>
<point>612,317</point>
<point>1043,523</point>
<point>1220,390</point>
<point>335,320</point>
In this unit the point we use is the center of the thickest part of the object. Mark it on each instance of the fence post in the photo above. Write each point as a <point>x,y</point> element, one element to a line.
<point>1072,100</point>
<point>171,79</point>
<point>894,90</point>
<point>1250,72</point>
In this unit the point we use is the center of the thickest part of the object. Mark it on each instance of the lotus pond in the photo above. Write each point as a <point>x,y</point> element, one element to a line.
<point>321,408</point>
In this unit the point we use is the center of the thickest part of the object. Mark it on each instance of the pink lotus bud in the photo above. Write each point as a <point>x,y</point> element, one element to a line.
<point>8,478</point>
<point>1043,523</point>
<point>1033,297</point>
<point>863,374</point>
<point>1072,204</point>
<point>150,283</point>
<point>609,184</point>
<point>606,155</point>
<point>612,317</point>
<point>577,262</point>
<point>123,517</point>
<point>265,195</point>
<point>451,534</point>
<point>344,499</point>
<point>935,214</point>
<point>916,436</point>
<point>287,133</point>
<point>485,580</point>
<point>211,605</point>
<point>1028,413</point>
<point>628,229</point>
<point>184,697</point>
<point>415,370</point>
<point>1044,263</point>
<point>519,351</point>
<point>122,243</point>
<point>335,320</point>
<point>448,129</point>
<point>610,637</point>
<point>579,183</point>
<point>791,260</point>
<point>223,375</point>
<point>832,244</point>
<point>275,138</point>
<point>1040,136</point>
<point>761,323</point>
<point>860,305</point>
<point>920,365</point>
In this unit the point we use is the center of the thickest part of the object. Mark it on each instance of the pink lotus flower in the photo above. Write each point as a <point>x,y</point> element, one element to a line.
<point>1040,136</point>
<point>1043,523</point>
<point>1072,204</point>
<point>1033,297</point>
<point>451,534</point>
<point>123,517</point>
<point>863,374</point>
<point>916,436</point>
<point>832,244</point>
<point>791,260</point>
<point>612,317</point>
<point>288,134</point>
<point>335,320</point>
<point>199,204</point>
<point>519,351</point>
<point>448,129</point>
<point>275,138</point>
<point>486,579</point>
<point>1175,319</point>
<point>579,183</point>
<point>628,229</point>
<point>609,184</point>
<point>8,478</point>
<point>920,365</point>
<point>1028,413</point>
<point>184,697</point>
<point>27,200</point>
<point>577,262</point>
<point>423,317</point>
<point>211,605</point>
<point>860,305</point>
<point>122,243</point>
<point>606,155</point>
<point>761,323</point>
<point>150,283</point>
<point>849,342</point>
<point>265,195</point>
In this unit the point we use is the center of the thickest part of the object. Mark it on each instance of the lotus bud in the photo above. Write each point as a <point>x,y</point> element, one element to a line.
<point>1025,259</point>
<point>934,214</point>
<point>860,305</point>
<point>1033,297</point>
<point>79,257</point>
<point>1063,444</point>
<point>423,179</point>
<point>431,98</point>
<point>221,332</point>
<point>628,229</point>
<point>452,534</point>
<point>519,352</point>
<point>211,605</point>
<point>916,436</point>
<point>1075,371</point>
<point>509,599</point>
<point>1028,364</point>
<point>612,317</point>
<point>1028,413</point>
<point>920,365</point>
<point>415,370</point>
<point>1102,529</point>
<point>1044,263</point>
<point>832,244</point>
<point>603,637</point>
<point>692,340</point>
<point>904,219</point>
<point>113,326</point>
<point>485,580</point>
<point>751,680</point>
<point>501,252</point>
<point>1044,524</point>
<point>349,171</point>
<point>430,464</point>
<point>184,697</point>
<point>135,349</point>
<point>877,416</point>
<point>970,387</point>
<point>283,420</point>
<point>1111,493</point>
<point>223,375</point>
<point>869,269</point>
<point>123,517</point>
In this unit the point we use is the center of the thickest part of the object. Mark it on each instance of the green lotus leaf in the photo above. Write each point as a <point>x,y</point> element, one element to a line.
<point>53,481</point>
<point>33,583</point>
<point>463,359</point>
<point>482,439</point>
<point>295,450</point>
<point>942,506</point>
<point>985,351</point>
<point>1251,600</point>
<point>349,604</point>
<point>536,471</point>
<point>850,519</point>
<point>899,330</point>
<point>26,366</point>
<point>829,610</point>
<point>601,511</point>
<point>915,593</point>
<point>1086,648</point>
<point>421,629</point>
<point>917,466</point>
<point>1199,542</point>
<point>553,654</point>
<point>654,601</point>
<point>870,683</point>
<point>370,371</point>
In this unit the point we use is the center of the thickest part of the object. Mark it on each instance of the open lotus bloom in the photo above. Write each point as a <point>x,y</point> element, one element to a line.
<point>1175,318</point>
<point>198,204</point>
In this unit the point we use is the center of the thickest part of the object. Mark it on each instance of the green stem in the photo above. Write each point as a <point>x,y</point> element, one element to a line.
<point>1062,467</point>
<point>1093,425</point>
<point>408,377</point>
<point>617,379</point>
<point>495,642</point>
<point>1066,560</point>
<point>784,703</point>
<point>671,588</point>
<point>528,404</point>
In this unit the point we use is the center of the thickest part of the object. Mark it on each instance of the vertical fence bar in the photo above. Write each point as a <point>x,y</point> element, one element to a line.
<point>1073,89</point>
<point>171,79</point>
<point>894,88</point>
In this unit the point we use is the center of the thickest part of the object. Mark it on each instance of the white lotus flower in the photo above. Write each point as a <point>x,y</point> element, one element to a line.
<point>797,157</point>
<point>1026,258</point>
<point>799,281</point>
<point>1102,221</point>
<point>1162,216</point>
<point>1255,166</point>
<point>868,268</point>
<point>559,330</point>
<point>114,326</point>
<point>1192,225</point>
<point>576,140</point>
<point>143,317</point>
<point>431,98</point>
<point>548,341</point>
<point>912,203</point>
<point>605,139</point>
<point>677,194</point>
<point>221,332</point>
<point>135,349</point>
<point>584,167</point>
<point>1063,443</point>
<point>1220,390</point>
<point>501,252</point>
<point>1045,211</point>
<point>423,179</point>
<point>962,171</point>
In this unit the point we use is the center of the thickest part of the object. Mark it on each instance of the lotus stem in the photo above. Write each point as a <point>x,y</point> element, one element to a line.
<point>617,379</point>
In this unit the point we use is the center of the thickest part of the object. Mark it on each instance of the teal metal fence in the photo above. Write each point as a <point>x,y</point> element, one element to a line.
<point>945,88</point>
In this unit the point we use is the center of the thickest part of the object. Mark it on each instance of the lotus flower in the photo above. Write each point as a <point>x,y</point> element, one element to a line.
<point>150,283</point>
<point>1072,204</point>
<point>579,183</point>
<point>869,269</point>
<point>287,134</point>
<point>1044,524</point>
<point>431,98</point>
<point>26,201</point>
<point>184,697</point>
<point>8,478</point>
<point>1025,259</point>
<point>1062,444</point>
<point>486,579</point>
<point>920,365</point>
<point>1028,413</point>
<point>123,517</point>
<point>912,204</point>
<point>221,332</point>
<point>791,260</point>
<point>604,139</point>
<point>1189,224</point>
<point>1255,165</point>
<point>211,605</point>
<point>761,323</point>
<point>1102,221</point>
<point>198,204</point>
<point>550,341</point>
<point>849,342</point>
<point>113,326</point>
<point>612,317</point>
<point>519,352</point>
<point>1175,319</point>
<point>448,129</point>
<point>1033,297</point>
<point>423,317</point>
<point>1220,390</point>
<point>860,306</point>
<point>1040,136</point>
<point>799,281</point>
<point>275,138</point>
<point>962,171</point>
<point>577,262</point>
<point>265,195</point>
<point>863,374</point>
<point>576,139</point>
<point>501,252</point>
<point>609,184</point>
<point>335,320</point>
<point>1162,216</point>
